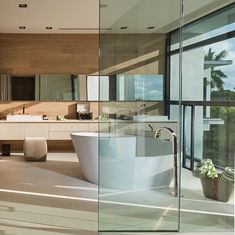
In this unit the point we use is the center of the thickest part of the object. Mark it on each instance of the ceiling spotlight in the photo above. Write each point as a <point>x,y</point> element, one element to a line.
<point>48,27</point>
<point>123,27</point>
<point>22,27</point>
<point>151,27</point>
<point>23,5</point>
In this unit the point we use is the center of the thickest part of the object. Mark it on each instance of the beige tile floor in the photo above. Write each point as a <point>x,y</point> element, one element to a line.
<point>46,198</point>
<point>155,208</point>
<point>53,198</point>
<point>173,233</point>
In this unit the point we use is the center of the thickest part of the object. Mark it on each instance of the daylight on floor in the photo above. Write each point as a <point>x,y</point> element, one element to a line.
<point>117,117</point>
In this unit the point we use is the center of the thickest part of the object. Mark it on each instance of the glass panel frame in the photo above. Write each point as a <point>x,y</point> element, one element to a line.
<point>210,134</point>
<point>125,144</point>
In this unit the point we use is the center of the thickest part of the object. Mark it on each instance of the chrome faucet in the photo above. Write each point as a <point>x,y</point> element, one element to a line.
<point>174,148</point>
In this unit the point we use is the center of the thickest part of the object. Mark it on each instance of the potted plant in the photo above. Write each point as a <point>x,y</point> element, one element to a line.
<point>215,186</point>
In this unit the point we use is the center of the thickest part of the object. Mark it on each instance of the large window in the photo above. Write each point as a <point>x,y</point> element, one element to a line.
<point>208,87</point>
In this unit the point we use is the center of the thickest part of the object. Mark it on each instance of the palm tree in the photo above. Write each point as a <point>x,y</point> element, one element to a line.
<point>217,75</point>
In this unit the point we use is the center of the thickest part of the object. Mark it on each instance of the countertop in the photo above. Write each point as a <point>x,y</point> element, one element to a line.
<point>53,121</point>
<point>91,121</point>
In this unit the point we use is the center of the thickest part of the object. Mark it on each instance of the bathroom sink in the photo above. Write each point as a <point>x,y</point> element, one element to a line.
<point>149,118</point>
<point>24,118</point>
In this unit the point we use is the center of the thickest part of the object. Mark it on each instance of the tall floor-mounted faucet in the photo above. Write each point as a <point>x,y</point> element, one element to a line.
<point>174,149</point>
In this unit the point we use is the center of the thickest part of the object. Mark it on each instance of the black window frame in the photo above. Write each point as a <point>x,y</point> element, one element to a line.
<point>192,103</point>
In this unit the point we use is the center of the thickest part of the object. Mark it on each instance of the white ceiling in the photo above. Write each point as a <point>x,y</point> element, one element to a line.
<point>82,16</point>
<point>162,14</point>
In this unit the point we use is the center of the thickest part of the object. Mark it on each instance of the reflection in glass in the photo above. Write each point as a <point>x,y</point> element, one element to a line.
<point>96,83</point>
<point>57,87</point>
<point>43,87</point>
<point>140,87</point>
<point>135,169</point>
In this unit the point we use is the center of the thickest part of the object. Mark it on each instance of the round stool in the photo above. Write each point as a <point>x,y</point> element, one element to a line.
<point>35,149</point>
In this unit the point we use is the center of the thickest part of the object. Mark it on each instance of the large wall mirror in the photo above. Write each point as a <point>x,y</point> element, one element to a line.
<point>43,87</point>
<point>134,87</point>
<point>74,87</point>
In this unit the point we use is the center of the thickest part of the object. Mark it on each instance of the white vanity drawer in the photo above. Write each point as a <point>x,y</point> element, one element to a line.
<point>59,135</point>
<point>11,131</point>
<point>36,130</point>
<point>93,127</point>
<point>67,127</point>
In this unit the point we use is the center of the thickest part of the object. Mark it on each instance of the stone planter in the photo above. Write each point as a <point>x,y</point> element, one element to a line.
<point>216,189</point>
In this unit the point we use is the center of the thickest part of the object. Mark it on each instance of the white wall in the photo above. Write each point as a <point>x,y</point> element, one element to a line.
<point>192,75</point>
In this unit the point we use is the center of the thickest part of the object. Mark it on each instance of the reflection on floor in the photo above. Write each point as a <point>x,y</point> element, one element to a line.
<point>155,209</point>
<point>46,197</point>
<point>52,197</point>
<point>207,214</point>
<point>172,233</point>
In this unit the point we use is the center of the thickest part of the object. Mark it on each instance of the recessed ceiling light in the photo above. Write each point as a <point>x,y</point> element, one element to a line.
<point>123,27</point>
<point>151,27</point>
<point>23,5</point>
<point>22,27</point>
<point>48,27</point>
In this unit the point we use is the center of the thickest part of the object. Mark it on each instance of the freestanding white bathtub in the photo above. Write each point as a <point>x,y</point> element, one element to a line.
<point>86,147</point>
<point>125,162</point>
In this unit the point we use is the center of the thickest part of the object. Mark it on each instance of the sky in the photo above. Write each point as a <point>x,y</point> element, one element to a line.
<point>146,86</point>
<point>229,46</point>
<point>149,87</point>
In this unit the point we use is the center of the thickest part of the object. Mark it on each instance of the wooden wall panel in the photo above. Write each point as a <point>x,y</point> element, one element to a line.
<point>132,53</point>
<point>48,53</point>
<point>53,146</point>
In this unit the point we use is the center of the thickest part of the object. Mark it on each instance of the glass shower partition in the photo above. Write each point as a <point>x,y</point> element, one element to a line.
<point>138,159</point>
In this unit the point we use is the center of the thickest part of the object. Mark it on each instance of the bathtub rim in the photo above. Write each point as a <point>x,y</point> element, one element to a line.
<point>85,134</point>
<point>99,135</point>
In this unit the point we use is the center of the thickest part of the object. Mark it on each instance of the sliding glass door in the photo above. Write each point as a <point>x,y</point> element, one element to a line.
<point>139,157</point>
<point>208,110</point>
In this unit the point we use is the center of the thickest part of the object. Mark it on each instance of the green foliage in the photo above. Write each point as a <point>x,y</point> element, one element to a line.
<point>205,168</point>
<point>104,117</point>
<point>223,95</point>
<point>217,75</point>
<point>60,117</point>
<point>219,140</point>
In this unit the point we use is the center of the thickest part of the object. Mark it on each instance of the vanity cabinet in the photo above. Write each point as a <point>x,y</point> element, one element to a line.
<point>36,130</point>
<point>93,127</point>
<point>49,130</point>
<point>58,131</point>
<point>12,131</point>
